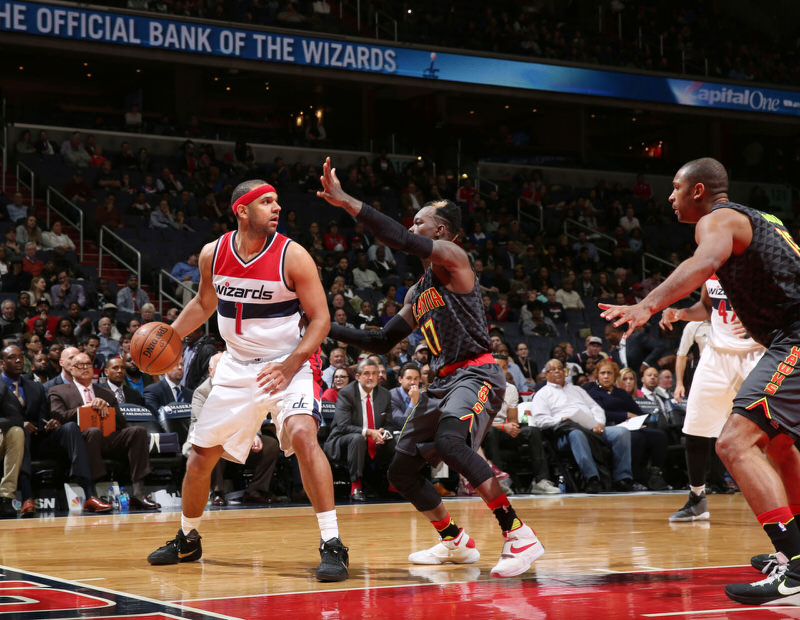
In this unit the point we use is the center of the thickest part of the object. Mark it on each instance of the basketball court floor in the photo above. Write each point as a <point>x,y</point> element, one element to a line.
<point>608,556</point>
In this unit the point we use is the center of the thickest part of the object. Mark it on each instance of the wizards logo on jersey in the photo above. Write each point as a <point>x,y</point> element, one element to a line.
<point>226,290</point>
<point>427,301</point>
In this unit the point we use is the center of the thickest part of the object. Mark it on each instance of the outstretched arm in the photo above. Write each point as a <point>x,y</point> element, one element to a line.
<point>701,311</point>
<point>380,341</point>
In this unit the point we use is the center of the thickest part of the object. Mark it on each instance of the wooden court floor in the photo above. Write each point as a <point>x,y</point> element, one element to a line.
<point>265,558</point>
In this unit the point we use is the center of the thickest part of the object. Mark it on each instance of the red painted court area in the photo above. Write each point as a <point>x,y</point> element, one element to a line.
<point>671,594</point>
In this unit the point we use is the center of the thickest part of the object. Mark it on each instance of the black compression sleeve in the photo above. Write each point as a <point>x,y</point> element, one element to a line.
<point>376,341</point>
<point>393,233</point>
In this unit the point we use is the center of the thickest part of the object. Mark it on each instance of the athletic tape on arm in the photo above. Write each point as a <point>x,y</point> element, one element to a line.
<point>393,233</point>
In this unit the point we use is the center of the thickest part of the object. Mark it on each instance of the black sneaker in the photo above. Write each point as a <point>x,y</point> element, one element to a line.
<point>782,584</point>
<point>333,561</point>
<point>181,549</point>
<point>766,562</point>
<point>623,486</point>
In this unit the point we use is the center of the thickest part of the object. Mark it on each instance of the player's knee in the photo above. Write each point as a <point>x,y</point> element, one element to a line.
<point>400,476</point>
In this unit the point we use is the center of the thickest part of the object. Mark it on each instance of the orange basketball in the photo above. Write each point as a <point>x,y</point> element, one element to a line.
<point>155,348</point>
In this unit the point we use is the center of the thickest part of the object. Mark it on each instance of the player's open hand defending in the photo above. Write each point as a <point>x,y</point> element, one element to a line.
<point>331,186</point>
<point>632,315</point>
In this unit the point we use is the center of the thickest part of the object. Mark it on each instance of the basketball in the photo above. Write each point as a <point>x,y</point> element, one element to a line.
<point>155,348</point>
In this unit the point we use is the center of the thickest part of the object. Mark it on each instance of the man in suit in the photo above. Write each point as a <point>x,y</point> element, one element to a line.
<point>131,442</point>
<point>168,390</point>
<point>406,395</point>
<point>197,351</point>
<point>115,381</point>
<point>45,436</point>
<point>65,361</point>
<point>363,416</point>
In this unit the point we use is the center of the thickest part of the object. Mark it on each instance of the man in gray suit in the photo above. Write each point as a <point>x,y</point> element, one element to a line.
<point>362,429</point>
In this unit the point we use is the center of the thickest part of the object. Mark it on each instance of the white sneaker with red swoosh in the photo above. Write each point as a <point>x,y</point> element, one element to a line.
<point>519,552</point>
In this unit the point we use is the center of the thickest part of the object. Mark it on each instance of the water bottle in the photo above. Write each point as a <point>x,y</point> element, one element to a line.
<point>124,500</point>
<point>562,484</point>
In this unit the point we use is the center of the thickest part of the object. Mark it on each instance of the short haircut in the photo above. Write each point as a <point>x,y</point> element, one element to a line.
<point>364,363</point>
<point>709,172</point>
<point>448,213</point>
<point>408,366</point>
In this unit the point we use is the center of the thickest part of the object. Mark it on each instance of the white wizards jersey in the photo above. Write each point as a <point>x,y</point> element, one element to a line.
<point>258,314</point>
<point>722,316</point>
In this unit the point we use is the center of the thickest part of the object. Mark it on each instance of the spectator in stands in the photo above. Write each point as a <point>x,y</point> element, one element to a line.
<point>162,217</point>
<point>659,405</point>
<point>629,221</point>
<point>107,179</point>
<point>167,390</point>
<point>568,296</point>
<point>17,279</point>
<point>137,379</point>
<point>65,333</point>
<point>17,209</point>
<point>198,348</point>
<point>73,152</point>
<point>554,308</point>
<point>341,377</point>
<point>166,182</point>
<point>500,309</point>
<point>133,325</point>
<point>45,146</point>
<point>131,298</point>
<point>593,351</point>
<point>133,118</point>
<point>366,319</point>
<point>171,314</point>
<point>140,206</point>
<point>363,276</point>
<point>648,444</point>
<point>40,369</point>
<point>24,308</point>
<point>363,415</point>
<point>64,364</point>
<point>5,265</point>
<point>586,286</point>
<point>83,324</point>
<point>30,264</point>
<point>11,326</point>
<point>527,365</point>
<point>642,189</point>
<point>104,294</point>
<point>584,243</point>
<point>535,323</point>
<point>337,358</point>
<point>507,434</point>
<point>25,145</point>
<point>88,344</point>
<point>341,270</point>
<point>421,355</point>
<point>65,292</point>
<point>109,345</point>
<point>56,239</point>
<point>406,395</point>
<point>333,240</point>
<point>53,360</point>
<point>108,214</point>
<point>12,246</point>
<point>127,442</point>
<point>115,381</point>
<point>77,189</point>
<point>576,420</point>
<point>29,231</point>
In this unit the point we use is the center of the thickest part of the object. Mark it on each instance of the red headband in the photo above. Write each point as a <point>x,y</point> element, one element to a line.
<point>253,194</point>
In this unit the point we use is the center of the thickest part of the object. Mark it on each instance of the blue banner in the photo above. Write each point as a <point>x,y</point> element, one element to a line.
<point>233,42</point>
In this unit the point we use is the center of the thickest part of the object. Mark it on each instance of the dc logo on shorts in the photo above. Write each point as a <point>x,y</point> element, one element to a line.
<point>300,404</point>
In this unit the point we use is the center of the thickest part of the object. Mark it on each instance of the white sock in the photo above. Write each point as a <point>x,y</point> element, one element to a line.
<point>328,526</point>
<point>187,524</point>
<point>698,490</point>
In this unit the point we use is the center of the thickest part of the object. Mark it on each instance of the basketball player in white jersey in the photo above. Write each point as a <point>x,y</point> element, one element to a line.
<point>725,363</point>
<point>261,284</point>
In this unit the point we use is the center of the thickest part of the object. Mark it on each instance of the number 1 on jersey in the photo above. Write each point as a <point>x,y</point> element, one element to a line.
<point>431,337</point>
<point>238,317</point>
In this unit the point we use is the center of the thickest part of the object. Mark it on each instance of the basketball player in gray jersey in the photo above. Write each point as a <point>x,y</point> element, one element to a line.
<point>758,265</point>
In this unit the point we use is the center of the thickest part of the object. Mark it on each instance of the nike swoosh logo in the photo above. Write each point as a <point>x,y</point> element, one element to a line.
<point>782,589</point>
<point>521,549</point>
<point>184,555</point>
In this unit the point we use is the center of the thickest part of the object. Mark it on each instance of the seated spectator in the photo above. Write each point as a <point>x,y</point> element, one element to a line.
<point>131,297</point>
<point>526,364</point>
<point>360,240</point>
<point>44,145</point>
<point>534,323</point>
<point>363,415</point>
<point>24,308</point>
<point>167,390</point>
<point>107,179</point>
<point>56,239</point>
<point>554,309</point>
<point>406,395</point>
<point>363,276</point>
<point>83,324</point>
<point>31,345</point>
<point>30,264</point>
<point>133,118</point>
<point>568,296</point>
<point>162,217</point>
<point>25,145</point>
<point>506,433</point>
<point>109,345</point>
<point>65,292</point>
<point>593,351</point>
<point>108,214</point>
<point>29,231</point>
<point>65,333</point>
<point>659,405</point>
<point>341,377</point>
<point>501,309</point>
<point>390,309</point>
<point>137,379</point>
<point>577,422</point>
<point>333,240</point>
<point>127,158</point>
<point>73,152</point>
<point>12,246</point>
<point>188,273</point>
<point>166,182</point>
<point>77,189</point>
<point>17,279</point>
<point>629,221</point>
<point>11,325</point>
<point>12,441</point>
<point>127,442</point>
<point>365,319</point>
<point>337,358</point>
<point>648,444</point>
<point>584,243</point>
<point>17,209</point>
<point>5,265</point>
